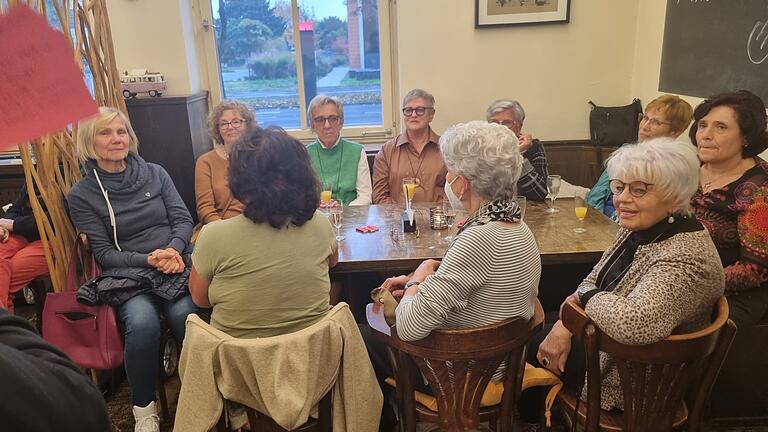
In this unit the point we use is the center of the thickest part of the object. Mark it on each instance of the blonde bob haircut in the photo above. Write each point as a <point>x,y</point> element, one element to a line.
<point>88,128</point>
<point>671,166</point>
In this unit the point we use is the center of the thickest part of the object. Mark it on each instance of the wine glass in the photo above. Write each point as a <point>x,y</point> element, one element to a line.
<point>337,218</point>
<point>450,216</point>
<point>553,188</point>
<point>580,208</point>
<point>521,202</point>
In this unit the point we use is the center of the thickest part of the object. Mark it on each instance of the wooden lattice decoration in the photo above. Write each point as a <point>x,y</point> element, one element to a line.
<point>50,163</point>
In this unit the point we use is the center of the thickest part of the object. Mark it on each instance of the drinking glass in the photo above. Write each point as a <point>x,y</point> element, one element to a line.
<point>521,202</point>
<point>580,208</point>
<point>450,216</point>
<point>325,196</point>
<point>409,188</point>
<point>553,188</point>
<point>337,218</point>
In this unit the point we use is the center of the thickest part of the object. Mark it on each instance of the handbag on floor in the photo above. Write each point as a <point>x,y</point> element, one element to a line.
<point>89,335</point>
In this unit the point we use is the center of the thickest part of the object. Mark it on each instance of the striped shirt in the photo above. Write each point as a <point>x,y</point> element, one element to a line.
<point>490,273</point>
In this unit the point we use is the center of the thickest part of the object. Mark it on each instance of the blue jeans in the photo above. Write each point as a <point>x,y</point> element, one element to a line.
<point>140,318</point>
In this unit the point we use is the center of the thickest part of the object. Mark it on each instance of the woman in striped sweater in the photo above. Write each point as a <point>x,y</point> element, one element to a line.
<point>491,271</point>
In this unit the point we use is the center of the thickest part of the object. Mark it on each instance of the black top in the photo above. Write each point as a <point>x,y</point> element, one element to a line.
<point>614,268</point>
<point>23,219</point>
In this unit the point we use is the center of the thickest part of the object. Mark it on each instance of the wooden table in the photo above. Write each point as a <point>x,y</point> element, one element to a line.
<point>377,251</point>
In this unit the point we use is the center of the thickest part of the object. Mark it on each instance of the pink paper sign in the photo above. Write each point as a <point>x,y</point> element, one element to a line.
<point>41,87</point>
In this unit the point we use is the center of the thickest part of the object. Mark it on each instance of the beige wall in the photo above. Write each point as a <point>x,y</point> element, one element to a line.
<point>158,36</point>
<point>553,70</point>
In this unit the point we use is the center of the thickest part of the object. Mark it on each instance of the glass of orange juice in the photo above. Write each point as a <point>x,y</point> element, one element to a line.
<point>325,194</point>
<point>580,208</point>
<point>409,188</point>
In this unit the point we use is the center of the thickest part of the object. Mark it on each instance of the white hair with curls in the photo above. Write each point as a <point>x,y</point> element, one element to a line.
<point>670,166</point>
<point>487,155</point>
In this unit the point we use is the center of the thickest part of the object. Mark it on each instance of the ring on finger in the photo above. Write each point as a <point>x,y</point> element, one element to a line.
<point>545,361</point>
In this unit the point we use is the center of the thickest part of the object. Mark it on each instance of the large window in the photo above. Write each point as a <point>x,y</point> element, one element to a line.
<point>275,55</point>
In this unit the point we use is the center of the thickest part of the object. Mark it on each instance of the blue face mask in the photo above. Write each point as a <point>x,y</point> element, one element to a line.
<point>455,201</point>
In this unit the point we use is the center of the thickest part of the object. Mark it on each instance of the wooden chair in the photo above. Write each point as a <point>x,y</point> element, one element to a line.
<point>458,364</point>
<point>261,422</point>
<point>665,384</point>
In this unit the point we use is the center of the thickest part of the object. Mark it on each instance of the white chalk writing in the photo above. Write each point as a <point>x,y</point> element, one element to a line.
<point>756,44</point>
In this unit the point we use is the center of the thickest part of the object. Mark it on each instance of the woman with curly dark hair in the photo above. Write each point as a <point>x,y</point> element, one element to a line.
<point>265,272</point>
<point>729,131</point>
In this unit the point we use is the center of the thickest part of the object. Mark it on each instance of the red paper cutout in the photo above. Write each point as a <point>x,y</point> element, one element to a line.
<point>42,89</point>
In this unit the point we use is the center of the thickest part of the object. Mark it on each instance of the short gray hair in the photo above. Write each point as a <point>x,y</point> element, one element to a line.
<point>505,104</point>
<point>321,100</point>
<point>486,154</point>
<point>671,166</point>
<point>419,94</point>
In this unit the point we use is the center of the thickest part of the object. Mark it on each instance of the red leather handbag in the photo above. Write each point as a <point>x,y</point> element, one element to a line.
<point>89,335</point>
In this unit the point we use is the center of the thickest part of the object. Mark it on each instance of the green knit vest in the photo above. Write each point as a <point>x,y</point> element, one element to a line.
<point>337,166</point>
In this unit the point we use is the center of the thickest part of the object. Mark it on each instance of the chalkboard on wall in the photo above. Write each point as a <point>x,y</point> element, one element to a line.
<point>711,46</point>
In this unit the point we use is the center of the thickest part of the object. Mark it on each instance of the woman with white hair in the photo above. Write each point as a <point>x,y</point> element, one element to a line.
<point>533,178</point>
<point>661,276</point>
<point>491,270</point>
<point>338,162</point>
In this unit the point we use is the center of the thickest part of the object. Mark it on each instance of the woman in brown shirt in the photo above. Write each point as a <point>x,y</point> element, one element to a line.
<point>226,124</point>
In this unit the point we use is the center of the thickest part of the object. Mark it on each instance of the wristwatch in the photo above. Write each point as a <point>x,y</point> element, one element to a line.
<point>411,283</point>
<point>585,292</point>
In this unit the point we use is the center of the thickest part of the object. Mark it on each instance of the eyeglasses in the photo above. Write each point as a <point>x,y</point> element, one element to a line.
<point>652,122</point>
<point>636,188</point>
<point>420,111</point>
<point>511,124</point>
<point>234,124</point>
<point>332,120</point>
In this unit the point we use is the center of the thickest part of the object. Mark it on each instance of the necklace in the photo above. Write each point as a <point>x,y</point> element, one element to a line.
<point>320,161</point>
<point>416,178</point>
<point>705,185</point>
<point>222,151</point>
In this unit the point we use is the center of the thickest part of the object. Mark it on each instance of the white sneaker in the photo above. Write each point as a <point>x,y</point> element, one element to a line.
<point>146,418</point>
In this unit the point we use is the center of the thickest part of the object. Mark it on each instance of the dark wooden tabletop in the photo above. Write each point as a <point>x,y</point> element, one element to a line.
<point>378,251</point>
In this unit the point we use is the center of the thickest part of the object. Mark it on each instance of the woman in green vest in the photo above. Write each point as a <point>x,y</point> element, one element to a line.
<point>338,162</point>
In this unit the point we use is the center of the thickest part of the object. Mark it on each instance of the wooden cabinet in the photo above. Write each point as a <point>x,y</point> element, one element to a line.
<point>172,132</point>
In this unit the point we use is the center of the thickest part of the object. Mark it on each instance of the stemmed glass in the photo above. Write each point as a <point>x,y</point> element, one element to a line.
<point>553,188</point>
<point>450,216</point>
<point>580,208</point>
<point>337,218</point>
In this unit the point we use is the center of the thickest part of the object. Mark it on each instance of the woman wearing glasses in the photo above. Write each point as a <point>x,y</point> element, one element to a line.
<point>226,124</point>
<point>337,161</point>
<point>665,116</point>
<point>729,131</point>
<point>661,276</point>
<point>414,153</point>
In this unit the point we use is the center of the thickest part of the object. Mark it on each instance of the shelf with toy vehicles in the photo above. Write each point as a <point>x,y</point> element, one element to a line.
<point>140,81</point>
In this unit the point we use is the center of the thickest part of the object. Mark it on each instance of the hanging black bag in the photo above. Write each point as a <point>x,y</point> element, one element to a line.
<point>613,126</point>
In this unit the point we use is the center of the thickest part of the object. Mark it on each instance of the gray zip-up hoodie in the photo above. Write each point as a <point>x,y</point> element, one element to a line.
<point>148,213</point>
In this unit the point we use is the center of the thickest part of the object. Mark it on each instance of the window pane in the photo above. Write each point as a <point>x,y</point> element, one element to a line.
<point>345,38</point>
<point>254,39</point>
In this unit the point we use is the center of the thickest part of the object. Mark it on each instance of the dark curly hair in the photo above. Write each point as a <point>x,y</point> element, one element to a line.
<point>270,173</point>
<point>750,113</point>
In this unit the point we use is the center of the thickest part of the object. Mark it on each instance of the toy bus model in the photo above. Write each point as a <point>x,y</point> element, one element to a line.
<point>141,81</point>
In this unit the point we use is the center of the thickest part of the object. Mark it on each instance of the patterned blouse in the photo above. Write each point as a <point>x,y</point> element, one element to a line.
<point>736,216</point>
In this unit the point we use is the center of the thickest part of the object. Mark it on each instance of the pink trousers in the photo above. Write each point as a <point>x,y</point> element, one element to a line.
<point>21,261</point>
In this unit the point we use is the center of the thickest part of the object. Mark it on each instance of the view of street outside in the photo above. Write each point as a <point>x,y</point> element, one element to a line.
<point>258,58</point>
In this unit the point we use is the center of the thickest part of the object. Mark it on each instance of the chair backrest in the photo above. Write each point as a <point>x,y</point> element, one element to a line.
<point>459,364</point>
<point>655,378</point>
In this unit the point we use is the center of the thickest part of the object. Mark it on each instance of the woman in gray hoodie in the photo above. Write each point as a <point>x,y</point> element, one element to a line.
<point>139,231</point>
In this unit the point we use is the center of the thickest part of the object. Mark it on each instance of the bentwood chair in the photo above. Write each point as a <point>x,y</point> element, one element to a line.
<point>665,384</point>
<point>459,365</point>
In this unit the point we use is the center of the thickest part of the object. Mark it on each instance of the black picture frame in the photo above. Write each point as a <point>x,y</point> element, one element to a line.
<point>521,12</point>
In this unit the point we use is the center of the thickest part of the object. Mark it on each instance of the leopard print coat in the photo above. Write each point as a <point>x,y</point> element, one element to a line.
<point>670,288</point>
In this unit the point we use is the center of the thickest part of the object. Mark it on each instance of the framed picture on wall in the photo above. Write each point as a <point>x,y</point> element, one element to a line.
<point>517,12</point>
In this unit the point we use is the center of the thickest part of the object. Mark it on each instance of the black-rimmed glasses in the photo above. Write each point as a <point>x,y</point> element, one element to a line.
<point>234,124</point>
<point>636,188</point>
<point>333,120</point>
<point>419,111</point>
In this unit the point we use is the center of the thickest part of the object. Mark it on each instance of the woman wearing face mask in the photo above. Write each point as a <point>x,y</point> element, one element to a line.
<point>491,270</point>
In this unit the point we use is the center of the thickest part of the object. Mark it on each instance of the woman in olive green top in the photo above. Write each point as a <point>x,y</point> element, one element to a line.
<point>338,162</point>
<point>274,278</point>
